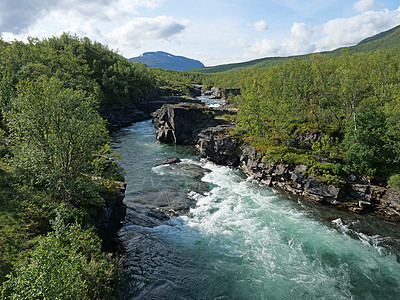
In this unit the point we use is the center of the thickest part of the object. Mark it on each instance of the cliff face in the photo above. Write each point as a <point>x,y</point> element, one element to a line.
<point>199,126</point>
<point>110,217</point>
<point>120,115</point>
<point>182,123</point>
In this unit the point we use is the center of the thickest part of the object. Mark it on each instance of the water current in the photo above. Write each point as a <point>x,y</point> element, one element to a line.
<point>240,240</point>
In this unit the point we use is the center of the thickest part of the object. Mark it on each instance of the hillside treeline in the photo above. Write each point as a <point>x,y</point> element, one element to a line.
<point>56,166</point>
<point>349,106</point>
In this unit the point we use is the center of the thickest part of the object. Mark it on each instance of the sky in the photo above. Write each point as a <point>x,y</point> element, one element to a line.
<point>212,31</point>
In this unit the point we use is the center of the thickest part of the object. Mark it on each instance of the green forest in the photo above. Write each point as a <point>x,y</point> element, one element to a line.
<point>57,167</point>
<point>350,102</point>
<point>56,164</point>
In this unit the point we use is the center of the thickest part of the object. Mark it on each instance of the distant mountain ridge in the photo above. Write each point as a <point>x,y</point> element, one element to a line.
<point>164,60</point>
<point>386,40</point>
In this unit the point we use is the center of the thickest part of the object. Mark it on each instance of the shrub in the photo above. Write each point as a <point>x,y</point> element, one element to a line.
<point>394,182</point>
<point>65,264</point>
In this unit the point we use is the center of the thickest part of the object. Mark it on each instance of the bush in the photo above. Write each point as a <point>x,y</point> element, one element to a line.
<point>394,182</point>
<point>66,264</point>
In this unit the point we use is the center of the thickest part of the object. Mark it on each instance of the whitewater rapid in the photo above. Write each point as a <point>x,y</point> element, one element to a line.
<point>240,240</point>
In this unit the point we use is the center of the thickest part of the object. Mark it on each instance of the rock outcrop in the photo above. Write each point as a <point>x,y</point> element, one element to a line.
<point>215,144</point>
<point>234,92</point>
<point>110,217</point>
<point>181,124</point>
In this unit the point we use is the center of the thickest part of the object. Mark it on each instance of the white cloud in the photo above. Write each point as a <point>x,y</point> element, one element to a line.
<point>260,25</point>
<point>138,30</point>
<point>297,42</point>
<point>19,15</point>
<point>305,38</point>
<point>365,5</point>
<point>349,31</point>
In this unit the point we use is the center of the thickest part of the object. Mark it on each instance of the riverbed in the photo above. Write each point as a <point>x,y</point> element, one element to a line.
<point>201,231</point>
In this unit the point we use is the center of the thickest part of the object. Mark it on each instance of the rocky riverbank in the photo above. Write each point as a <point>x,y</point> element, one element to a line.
<point>208,131</point>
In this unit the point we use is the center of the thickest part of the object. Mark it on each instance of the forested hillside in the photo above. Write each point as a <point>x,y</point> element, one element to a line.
<point>338,115</point>
<point>56,167</point>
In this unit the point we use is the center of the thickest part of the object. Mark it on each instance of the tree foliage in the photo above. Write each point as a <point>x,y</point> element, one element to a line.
<point>54,132</point>
<point>352,99</point>
<point>53,150</point>
<point>65,264</point>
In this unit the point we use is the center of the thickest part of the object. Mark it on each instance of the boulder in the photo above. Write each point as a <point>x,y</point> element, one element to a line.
<point>319,191</point>
<point>216,93</point>
<point>170,161</point>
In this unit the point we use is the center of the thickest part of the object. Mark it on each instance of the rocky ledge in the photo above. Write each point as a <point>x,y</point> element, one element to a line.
<point>205,129</point>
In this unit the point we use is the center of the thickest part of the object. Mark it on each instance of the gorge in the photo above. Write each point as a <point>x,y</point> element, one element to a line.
<point>197,230</point>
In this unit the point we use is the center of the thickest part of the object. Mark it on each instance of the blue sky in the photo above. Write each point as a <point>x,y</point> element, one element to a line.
<point>212,31</point>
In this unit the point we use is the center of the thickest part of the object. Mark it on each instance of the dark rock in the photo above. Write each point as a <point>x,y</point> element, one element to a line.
<point>186,169</point>
<point>215,145</point>
<point>351,178</point>
<point>180,124</point>
<point>110,217</point>
<point>169,161</point>
<point>195,90</point>
<point>139,109</point>
<point>297,177</point>
<point>320,191</point>
<point>191,124</point>
<point>122,116</point>
<point>234,92</point>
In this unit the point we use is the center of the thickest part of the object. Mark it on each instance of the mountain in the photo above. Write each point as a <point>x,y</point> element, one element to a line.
<point>166,60</point>
<point>386,40</point>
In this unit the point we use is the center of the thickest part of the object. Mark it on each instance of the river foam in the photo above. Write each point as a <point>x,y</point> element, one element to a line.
<point>241,240</point>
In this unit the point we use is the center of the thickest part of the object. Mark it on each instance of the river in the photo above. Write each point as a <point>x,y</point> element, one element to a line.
<point>240,240</point>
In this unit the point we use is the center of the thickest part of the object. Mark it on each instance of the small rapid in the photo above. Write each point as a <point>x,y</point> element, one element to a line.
<point>240,240</point>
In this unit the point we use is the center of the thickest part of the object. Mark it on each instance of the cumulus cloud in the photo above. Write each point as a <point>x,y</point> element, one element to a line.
<point>297,42</point>
<point>365,5</point>
<point>18,15</point>
<point>349,31</point>
<point>343,32</point>
<point>136,31</point>
<point>260,25</point>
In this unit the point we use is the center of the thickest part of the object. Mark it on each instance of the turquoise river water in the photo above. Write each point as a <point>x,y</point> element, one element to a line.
<point>241,240</point>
